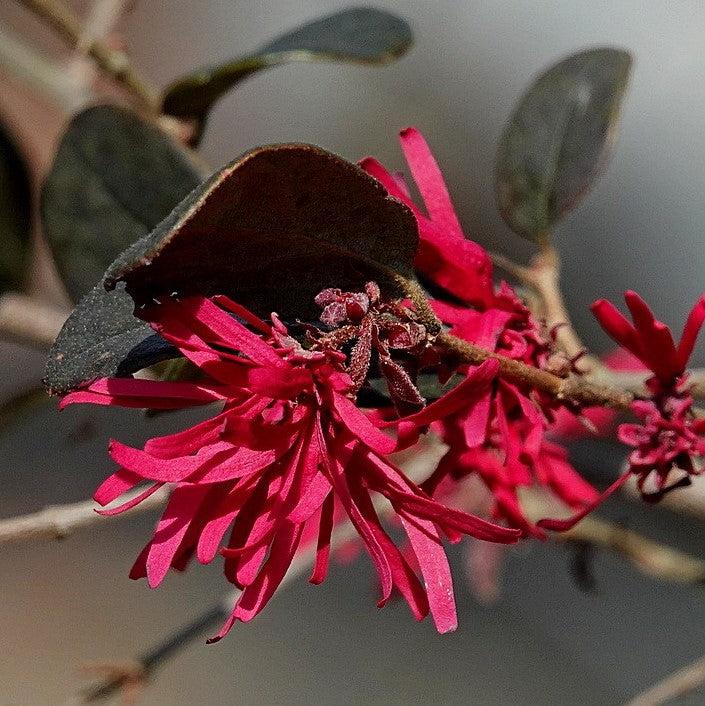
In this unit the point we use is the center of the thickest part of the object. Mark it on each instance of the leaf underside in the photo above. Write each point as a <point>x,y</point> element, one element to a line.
<point>114,178</point>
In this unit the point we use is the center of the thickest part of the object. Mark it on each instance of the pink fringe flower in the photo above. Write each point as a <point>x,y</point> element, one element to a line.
<point>288,452</point>
<point>497,432</point>
<point>669,437</point>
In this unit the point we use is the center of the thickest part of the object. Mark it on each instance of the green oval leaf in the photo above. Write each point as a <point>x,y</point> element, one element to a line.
<point>271,230</point>
<point>15,214</point>
<point>558,139</point>
<point>361,35</point>
<point>113,179</point>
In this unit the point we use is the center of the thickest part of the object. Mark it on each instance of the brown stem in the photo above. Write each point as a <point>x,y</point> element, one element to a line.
<point>570,389</point>
<point>415,292</point>
<point>112,61</point>
<point>542,276</point>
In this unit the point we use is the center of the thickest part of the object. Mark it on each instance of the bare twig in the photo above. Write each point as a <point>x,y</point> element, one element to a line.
<point>680,683</point>
<point>112,61</point>
<point>571,389</point>
<point>59,521</point>
<point>28,320</point>
<point>49,80</point>
<point>650,557</point>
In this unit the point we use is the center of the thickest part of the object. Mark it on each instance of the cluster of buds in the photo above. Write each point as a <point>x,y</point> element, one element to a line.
<point>669,443</point>
<point>369,323</point>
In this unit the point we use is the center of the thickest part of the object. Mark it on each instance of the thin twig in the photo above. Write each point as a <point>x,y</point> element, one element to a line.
<point>28,320</point>
<point>112,61</point>
<point>680,683</point>
<point>571,389</point>
<point>51,81</point>
<point>650,557</point>
<point>59,521</point>
<point>97,26</point>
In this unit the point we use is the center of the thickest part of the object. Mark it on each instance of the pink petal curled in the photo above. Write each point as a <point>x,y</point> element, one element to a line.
<point>257,594</point>
<point>153,394</point>
<point>360,426</point>
<point>320,567</point>
<point>111,511</point>
<point>171,529</point>
<point>617,326</point>
<point>429,181</point>
<point>565,525</point>
<point>115,485</point>
<point>690,332</point>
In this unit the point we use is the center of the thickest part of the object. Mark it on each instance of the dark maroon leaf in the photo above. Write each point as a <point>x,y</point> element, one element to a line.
<point>273,229</point>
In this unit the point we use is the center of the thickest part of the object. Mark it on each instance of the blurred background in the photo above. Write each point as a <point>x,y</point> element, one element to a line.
<point>544,641</point>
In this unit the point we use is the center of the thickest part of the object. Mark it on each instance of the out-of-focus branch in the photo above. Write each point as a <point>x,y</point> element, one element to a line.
<point>651,558</point>
<point>59,521</point>
<point>97,26</point>
<point>48,79</point>
<point>680,683</point>
<point>690,500</point>
<point>28,320</point>
<point>112,61</point>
